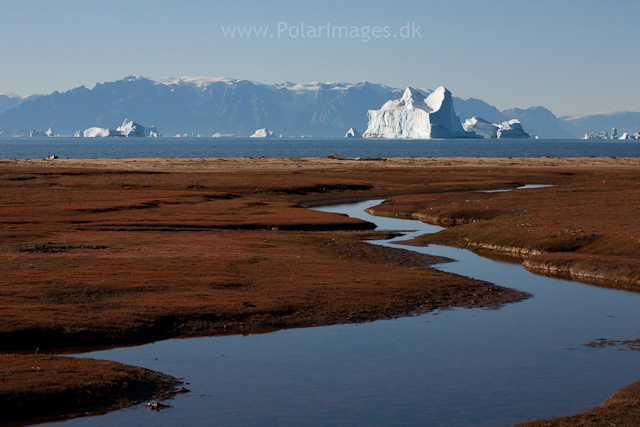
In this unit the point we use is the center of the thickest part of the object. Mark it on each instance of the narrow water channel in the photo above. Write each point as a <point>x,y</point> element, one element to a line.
<point>461,367</point>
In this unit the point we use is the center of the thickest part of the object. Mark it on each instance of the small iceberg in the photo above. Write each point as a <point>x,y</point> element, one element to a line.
<point>263,133</point>
<point>596,135</point>
<point>352,133</point>
<point>512,129</point>
<point>129,128</point>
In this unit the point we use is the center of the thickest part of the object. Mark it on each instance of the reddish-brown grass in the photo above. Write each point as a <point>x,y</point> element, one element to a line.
<point>125,255</point>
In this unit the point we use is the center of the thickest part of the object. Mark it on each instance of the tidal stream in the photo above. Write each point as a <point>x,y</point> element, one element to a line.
<point>459,367</point>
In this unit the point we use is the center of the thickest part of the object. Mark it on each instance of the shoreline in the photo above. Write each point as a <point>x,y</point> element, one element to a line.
<point>265,163</point>
<point>92,223</point>
<point>46,388</point>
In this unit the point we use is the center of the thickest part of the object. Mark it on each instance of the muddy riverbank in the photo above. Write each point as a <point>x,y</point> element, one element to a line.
<point>50,387</point>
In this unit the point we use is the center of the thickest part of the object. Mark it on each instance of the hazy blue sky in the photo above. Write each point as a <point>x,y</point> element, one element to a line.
<point>572,56</point>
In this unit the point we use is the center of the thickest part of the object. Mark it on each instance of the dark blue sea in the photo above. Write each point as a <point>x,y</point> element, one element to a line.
<point>35,148</point>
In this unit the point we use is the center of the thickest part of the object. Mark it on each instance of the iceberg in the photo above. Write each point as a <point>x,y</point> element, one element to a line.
<point>596,135</point>
<point>130,128</point>
<point>417,116</point>
<point>37,134</point>
<point>352,133</point>
<point>49,133</point>
<point>222,135</point>
<point>481,127</point>
<point>79,134</point>
<point>512,129</point>
<point>508,129</point>
<point>96,132</point>
<point>152,132</point>
<point>263,133</point>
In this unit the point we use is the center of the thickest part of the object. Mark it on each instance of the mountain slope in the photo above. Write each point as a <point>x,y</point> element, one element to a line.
<point>539,121</point>
<point>209,105</point>
<point>624,121</point>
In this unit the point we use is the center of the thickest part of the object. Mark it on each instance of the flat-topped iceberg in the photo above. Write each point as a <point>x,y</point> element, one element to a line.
<point>263,133</point>
<point>596,135</point>
<point>417,116</point>
<point>96,132</point>
<point>508,129</point>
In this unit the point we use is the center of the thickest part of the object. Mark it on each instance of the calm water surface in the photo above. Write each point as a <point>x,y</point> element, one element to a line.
<point>38,148</point>
<point>459,367</point>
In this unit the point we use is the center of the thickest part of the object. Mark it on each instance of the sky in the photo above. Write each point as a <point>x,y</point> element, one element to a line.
<point>571,56</point>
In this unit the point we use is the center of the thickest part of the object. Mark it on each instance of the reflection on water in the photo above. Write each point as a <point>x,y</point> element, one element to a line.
<point>522,187</point>
<point>457,368</point>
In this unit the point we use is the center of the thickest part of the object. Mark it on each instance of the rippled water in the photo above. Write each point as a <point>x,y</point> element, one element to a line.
<point>38,148</point>
<point>458,367</point>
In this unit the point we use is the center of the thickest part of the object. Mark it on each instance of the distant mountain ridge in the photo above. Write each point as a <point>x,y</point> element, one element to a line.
<point>210,105</point>
<point>623,121</point>
<point>539,121</point>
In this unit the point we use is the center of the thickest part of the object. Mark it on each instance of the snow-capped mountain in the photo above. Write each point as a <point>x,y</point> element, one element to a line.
<point>225,106</point>
<point>204,106</point>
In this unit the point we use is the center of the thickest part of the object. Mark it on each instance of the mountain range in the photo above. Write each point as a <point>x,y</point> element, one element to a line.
<point>206,106</point>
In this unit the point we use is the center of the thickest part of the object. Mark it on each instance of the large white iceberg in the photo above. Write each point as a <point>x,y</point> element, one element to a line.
<point>96,132</point>
<point>130,128</point>
<point>263,133</point>
<point>417,116</point>
<point>49,132</point>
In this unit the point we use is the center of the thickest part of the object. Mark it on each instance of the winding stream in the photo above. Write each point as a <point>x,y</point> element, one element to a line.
<point>458,367</point>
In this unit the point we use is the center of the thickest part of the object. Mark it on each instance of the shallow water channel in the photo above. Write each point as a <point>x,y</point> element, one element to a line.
<point>460,367</point>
